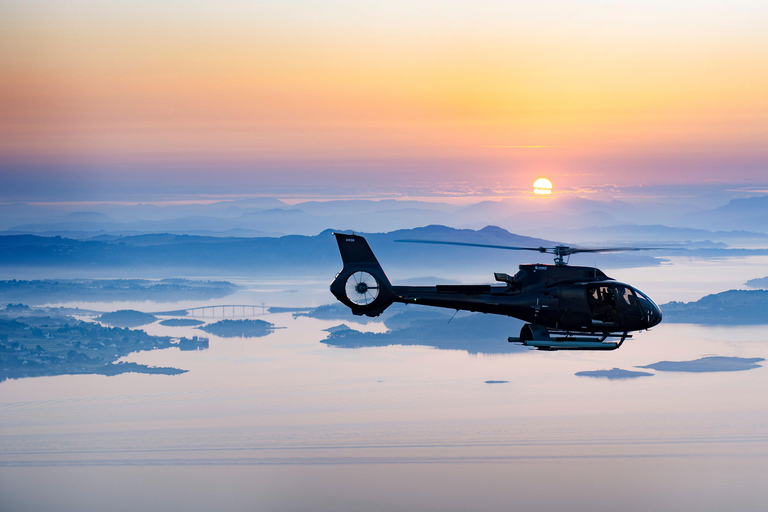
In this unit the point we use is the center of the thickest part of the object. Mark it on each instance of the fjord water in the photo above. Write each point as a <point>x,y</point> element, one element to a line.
<point>285,422</point>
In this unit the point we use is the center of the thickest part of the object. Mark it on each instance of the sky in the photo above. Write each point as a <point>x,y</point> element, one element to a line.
<point>119,99</point>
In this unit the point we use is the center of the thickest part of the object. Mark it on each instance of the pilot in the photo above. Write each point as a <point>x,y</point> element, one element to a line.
<point>610,301</point>
<point>605,307</point>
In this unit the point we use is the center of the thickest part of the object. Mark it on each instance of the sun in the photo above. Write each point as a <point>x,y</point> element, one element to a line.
<point>542,186</point>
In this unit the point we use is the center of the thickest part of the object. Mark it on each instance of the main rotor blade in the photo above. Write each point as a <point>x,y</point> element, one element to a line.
<point>613,249</point>
<point>557,250</point>
<point>508,247</point>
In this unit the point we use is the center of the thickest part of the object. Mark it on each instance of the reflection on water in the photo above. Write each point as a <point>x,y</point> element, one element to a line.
<point>286,422</point>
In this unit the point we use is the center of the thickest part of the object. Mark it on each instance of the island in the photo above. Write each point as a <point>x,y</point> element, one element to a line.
<point>708,364</point>
<point>126,318</point>
<point>37,346</point>
<point>239,328</point>
<point>614,374</point>
<point>181,322</point>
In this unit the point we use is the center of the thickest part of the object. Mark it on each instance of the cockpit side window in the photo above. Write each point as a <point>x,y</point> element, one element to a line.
<point>602,303</point>
<point>627,296</point>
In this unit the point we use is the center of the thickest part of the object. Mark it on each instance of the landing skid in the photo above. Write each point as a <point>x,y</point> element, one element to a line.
<point>540,337</point>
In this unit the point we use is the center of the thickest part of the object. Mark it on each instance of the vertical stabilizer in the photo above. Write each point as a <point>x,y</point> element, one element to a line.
<point>362,284</point>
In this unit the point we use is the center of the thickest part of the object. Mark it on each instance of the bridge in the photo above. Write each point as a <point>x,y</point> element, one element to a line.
<point>218,311</point>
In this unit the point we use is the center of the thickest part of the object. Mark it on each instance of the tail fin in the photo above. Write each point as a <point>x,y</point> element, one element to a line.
<point>362,284</point>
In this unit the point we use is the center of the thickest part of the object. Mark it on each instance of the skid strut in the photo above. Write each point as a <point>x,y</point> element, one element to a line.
<point>540,337</point>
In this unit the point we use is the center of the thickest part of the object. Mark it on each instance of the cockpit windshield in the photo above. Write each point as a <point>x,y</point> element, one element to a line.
<point>647,299</point>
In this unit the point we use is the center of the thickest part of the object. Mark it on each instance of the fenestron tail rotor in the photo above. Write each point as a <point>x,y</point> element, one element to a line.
<point>561,252</point>
<point>362,288</point>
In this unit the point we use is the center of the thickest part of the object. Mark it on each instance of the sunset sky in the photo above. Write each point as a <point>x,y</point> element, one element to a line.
<point>411,96</point>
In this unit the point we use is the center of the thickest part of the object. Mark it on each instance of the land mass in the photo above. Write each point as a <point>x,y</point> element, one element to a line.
<point>734,307</point>
<point>37,346</point>
<point>44,291</point>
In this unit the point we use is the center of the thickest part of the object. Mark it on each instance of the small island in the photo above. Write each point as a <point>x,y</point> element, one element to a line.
<point>239,328</point>
<point>614,374</point>
<point>181,322</point>
<point>126,318</point>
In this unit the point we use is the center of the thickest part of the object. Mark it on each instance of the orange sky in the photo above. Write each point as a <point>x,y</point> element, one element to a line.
<point>155,83</point>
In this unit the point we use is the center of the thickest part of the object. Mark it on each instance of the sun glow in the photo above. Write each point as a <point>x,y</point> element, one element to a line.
<point>542,186</point>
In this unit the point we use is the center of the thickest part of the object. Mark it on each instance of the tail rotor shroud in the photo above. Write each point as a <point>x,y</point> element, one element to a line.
<point>362,288</point>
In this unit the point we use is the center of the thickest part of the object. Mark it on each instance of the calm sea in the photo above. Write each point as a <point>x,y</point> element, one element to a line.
<point>284,422</point>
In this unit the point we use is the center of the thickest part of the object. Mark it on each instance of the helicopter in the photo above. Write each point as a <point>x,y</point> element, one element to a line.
<point>565,307</point>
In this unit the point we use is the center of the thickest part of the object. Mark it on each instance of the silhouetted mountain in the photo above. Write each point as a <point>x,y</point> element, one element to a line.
<point>638,234</point>
<point>550,216</point>
<point>88,217</point>
<point>750,214</point>
<point>157,254</point>
<point>18,213</point>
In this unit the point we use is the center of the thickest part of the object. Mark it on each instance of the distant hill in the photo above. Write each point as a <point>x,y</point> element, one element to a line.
<point>562,216</point>
<point>749,214</point>
<point>734,307</point>
<point>295,253</point>
<point>161,254</point>
<point>637,234</point>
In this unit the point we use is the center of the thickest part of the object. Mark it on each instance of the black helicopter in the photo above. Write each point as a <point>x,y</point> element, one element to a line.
<point>566,307</point>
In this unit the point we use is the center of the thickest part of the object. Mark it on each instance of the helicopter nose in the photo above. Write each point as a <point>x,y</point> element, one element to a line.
<point>654,316</point>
